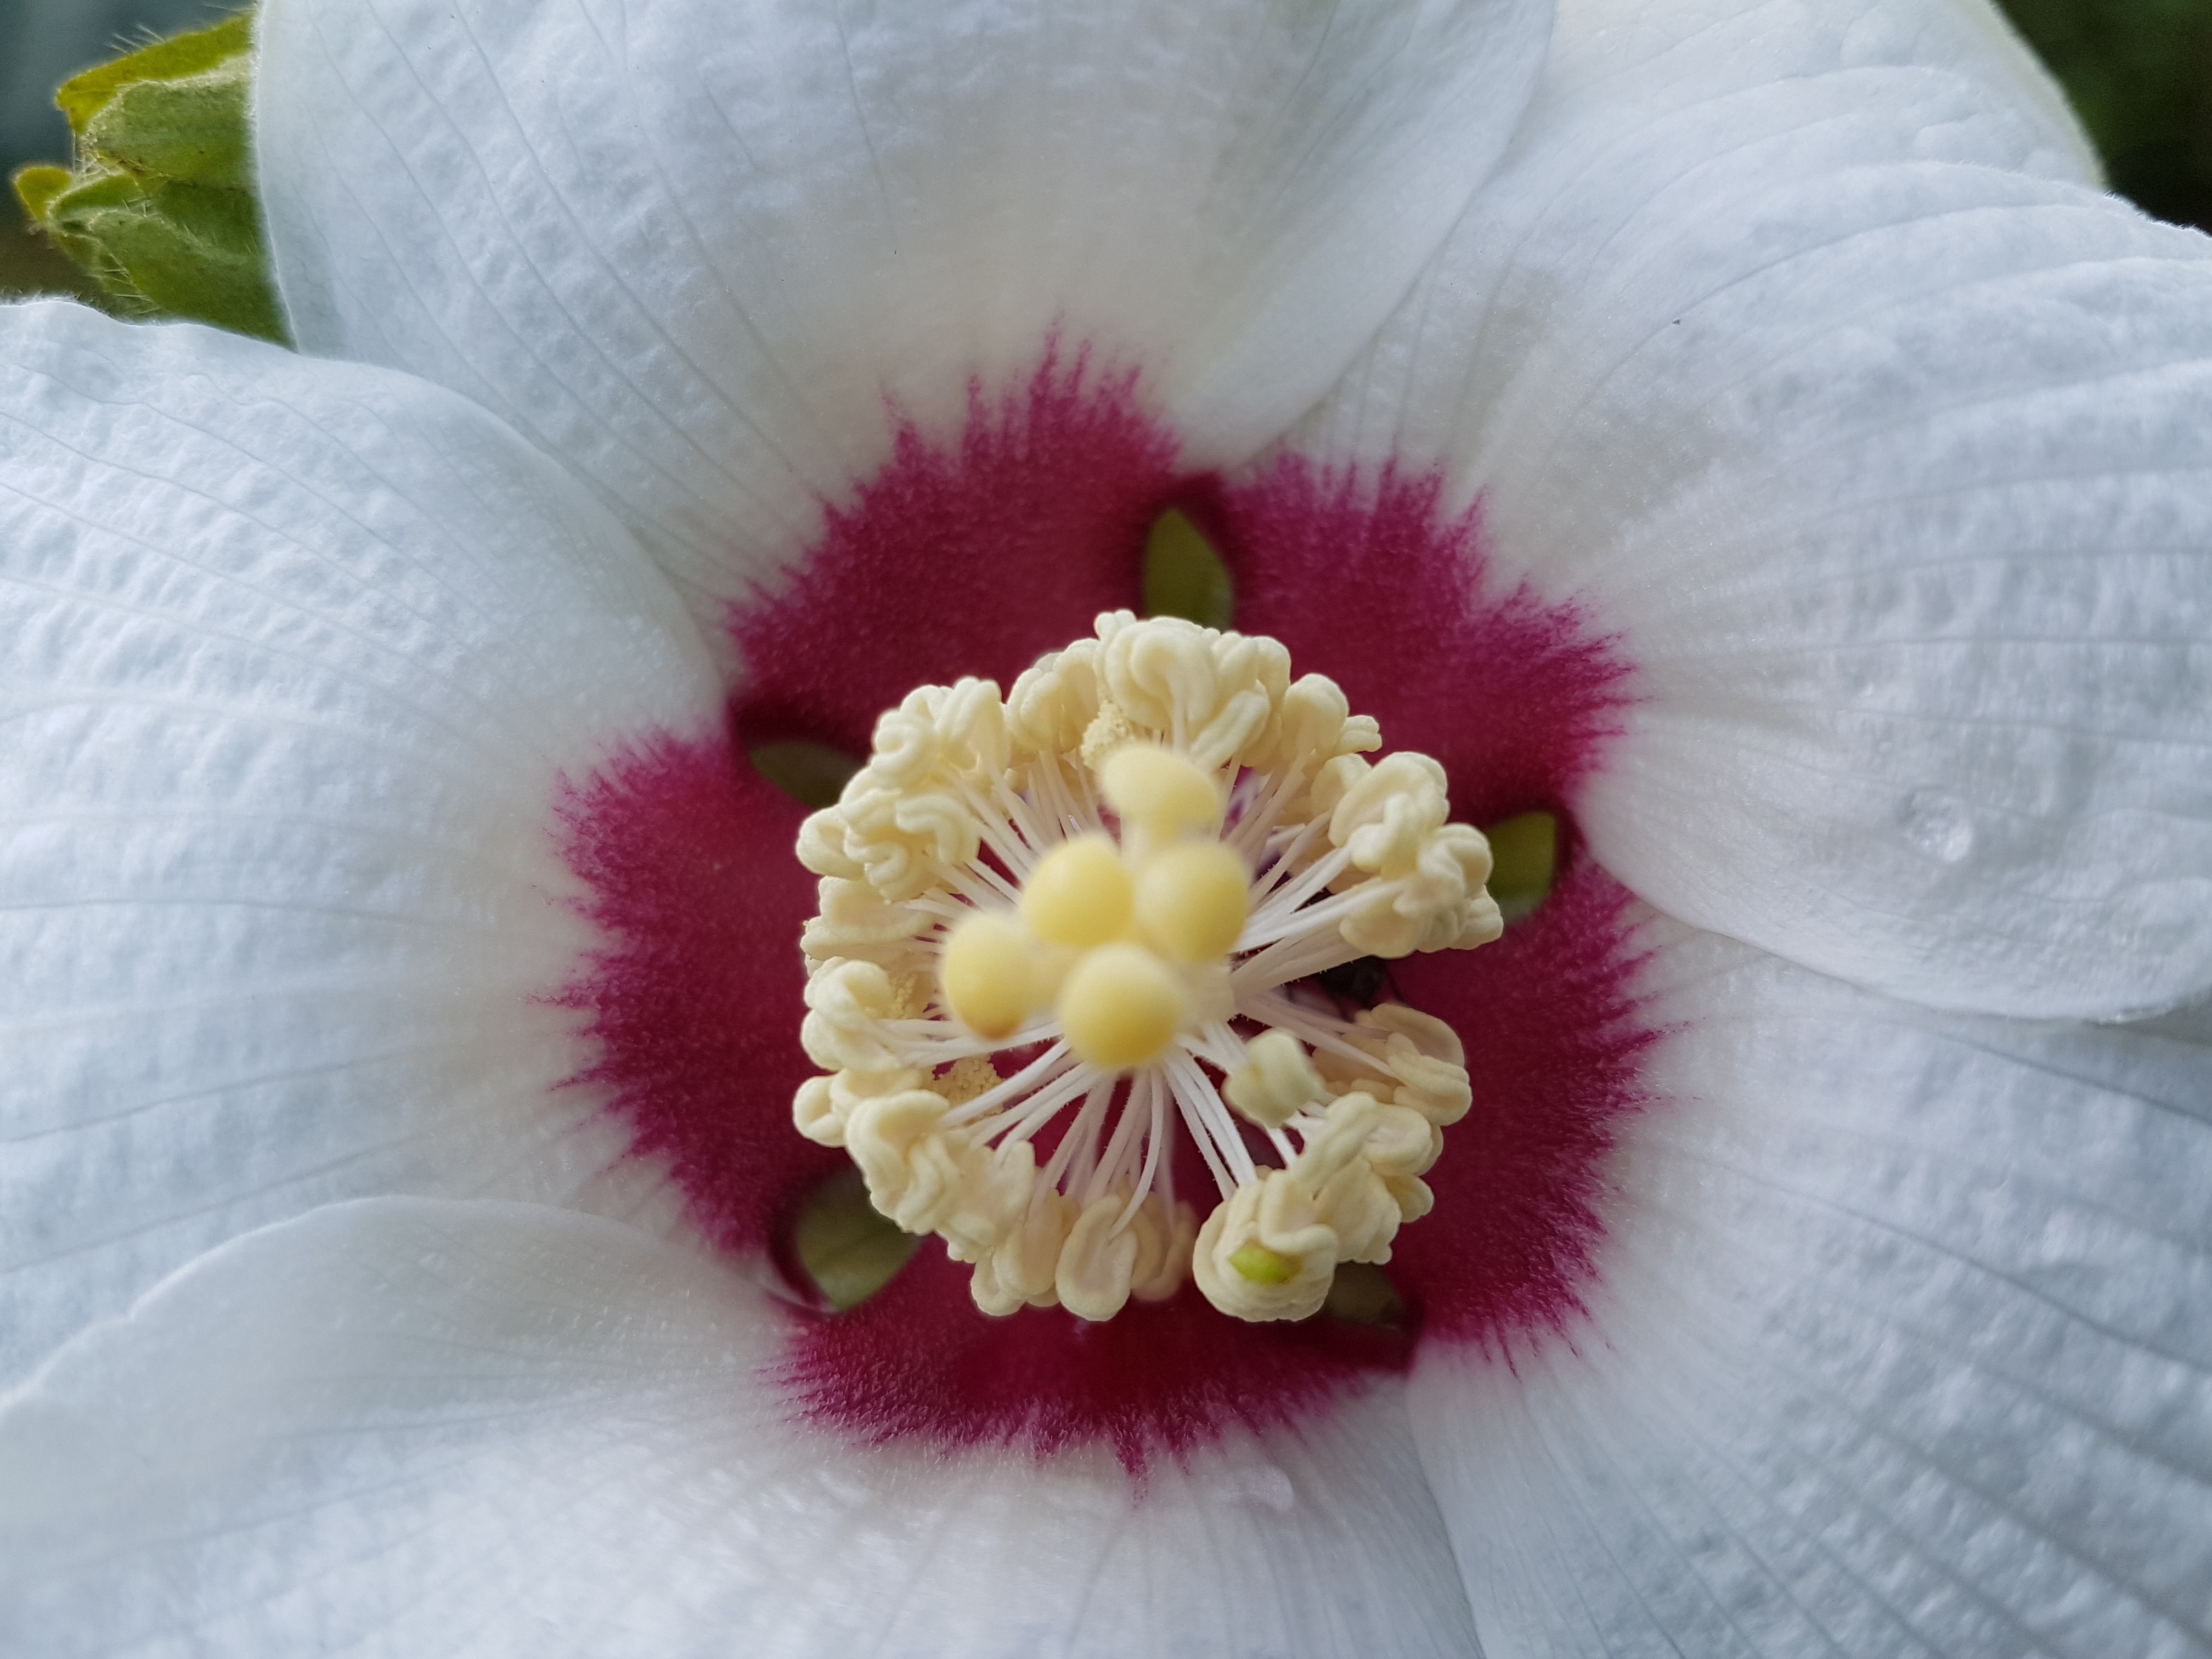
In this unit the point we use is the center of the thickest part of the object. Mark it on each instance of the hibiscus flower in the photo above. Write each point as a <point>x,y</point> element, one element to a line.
<point>1740,430</point>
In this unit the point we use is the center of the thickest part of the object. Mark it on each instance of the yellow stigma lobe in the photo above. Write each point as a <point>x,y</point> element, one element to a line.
<point>1191,900</point>
<point>1163,793</point>
<point>1079,894</point>
<point>1121,1005</point>
<point>988,975</point>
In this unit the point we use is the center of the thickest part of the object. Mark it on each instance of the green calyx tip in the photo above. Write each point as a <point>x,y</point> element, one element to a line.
<point>812,774</point>
<point>37,184</point>
<point>1524,852</point>
<point>191,132</point>
<point>1184,575</point>
<point>179,58</point>
<point>159,208</point>
<point>1362,1294</point>
<point>845,1246</point>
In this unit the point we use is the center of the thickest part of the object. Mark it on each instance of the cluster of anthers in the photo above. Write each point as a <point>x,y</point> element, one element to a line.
<point>1098,896</point>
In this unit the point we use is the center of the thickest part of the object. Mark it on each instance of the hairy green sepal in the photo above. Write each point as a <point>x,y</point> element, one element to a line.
<point>159,209</point>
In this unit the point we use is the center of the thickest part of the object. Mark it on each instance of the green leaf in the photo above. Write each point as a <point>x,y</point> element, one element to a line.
<point>160,207</point>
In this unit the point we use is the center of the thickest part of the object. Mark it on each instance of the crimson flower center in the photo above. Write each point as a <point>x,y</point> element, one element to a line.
<point>1031,518</point>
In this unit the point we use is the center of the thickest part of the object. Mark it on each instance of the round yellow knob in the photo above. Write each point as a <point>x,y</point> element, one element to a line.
<point>1121,1005</point>
<point>1191,900</point>
<point>1168,795</point>
<point>988,975</point>
<point>1079,894</point>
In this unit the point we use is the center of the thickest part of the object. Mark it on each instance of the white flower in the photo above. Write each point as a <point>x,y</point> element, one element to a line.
<point>1787,465</point>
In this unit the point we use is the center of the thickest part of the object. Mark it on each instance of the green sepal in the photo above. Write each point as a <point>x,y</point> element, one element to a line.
<point>1184,575</point>
<point>812,774</point>
<point>159,208</point>
<point>179,58</point>
<point>1524,852</point>
<point>845,1245</point>
<point>193,131</point>
<point>38,185</point>
<point>169,248</point>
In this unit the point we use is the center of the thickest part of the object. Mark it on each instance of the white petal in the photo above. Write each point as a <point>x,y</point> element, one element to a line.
<point>437,1429</point>
<point>702,249</point>
<point>1903,1345</point>
<point>2192,1024</point>
<point>1886,464</point>
<point>298,653</point>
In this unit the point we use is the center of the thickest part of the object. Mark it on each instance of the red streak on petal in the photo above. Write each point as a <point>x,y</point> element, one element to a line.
<point>969,558</point>
<point>1553,1037</point>
<point>973,557</point>
<point>1366,583</point>
<point>695,1002</point>
<point>695,997</point>
<point>918,1360</point>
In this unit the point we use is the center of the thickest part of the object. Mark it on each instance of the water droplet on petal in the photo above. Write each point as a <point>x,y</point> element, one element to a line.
<point>1937,823</point>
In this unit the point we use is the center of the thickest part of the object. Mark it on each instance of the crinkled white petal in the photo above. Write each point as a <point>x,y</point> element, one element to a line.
<point>408,1427</point>
<point>1974,38</point>
<point>702,250</point>
<point>298,653</point>
<point>1902,1345</point>
<point>1886,462</point>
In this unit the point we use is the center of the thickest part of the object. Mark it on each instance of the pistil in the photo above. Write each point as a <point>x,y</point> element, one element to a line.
<point>1111,881</point>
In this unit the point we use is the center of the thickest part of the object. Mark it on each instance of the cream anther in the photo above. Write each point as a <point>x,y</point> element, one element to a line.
<point>1109,731</point>
<point>1062,930</point>
<point>1278,1268</point>
<point>914,1173</point>
<point>1024,1265</point>
<point>1271,1252</point>
<point>1276,1082</point>
<point>1164,1246</point>
<point>1388,819</point>
<point>848,1001</point>
<point>1410,1059</point>
<point>1098,1263</point>
<point>1208,694</point>
<point>854,922</point>
<point>826,1104</point>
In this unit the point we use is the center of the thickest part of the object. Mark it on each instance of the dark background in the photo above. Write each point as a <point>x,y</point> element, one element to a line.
<point>2139,72</point>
